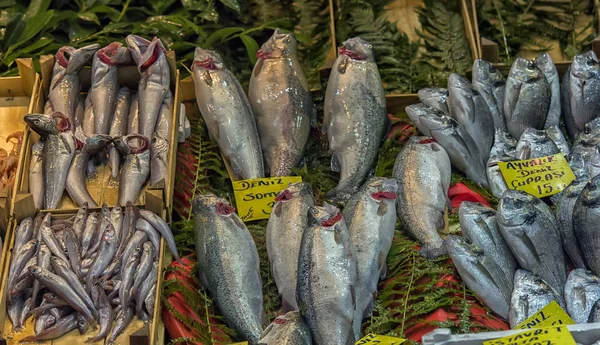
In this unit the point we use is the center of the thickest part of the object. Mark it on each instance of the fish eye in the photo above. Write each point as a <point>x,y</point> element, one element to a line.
<point>370,46</point>
<point>37,122</point>
<point>591,62</point>
<point>287,39</point>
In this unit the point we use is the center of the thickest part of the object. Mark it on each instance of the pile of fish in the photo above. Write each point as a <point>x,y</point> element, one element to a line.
<point>326,263</point>
<point>93,270</point>
<point>111,124</point>
<point>10,160</point>
<point>272,124</point>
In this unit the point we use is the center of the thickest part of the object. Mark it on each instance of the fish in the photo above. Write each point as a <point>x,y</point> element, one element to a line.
<point>23,234</point>
<point>122,320</point>
<point>118,127</point>
<point>289,218</point>
<point>43,259</point>
<point>459,145</point>
<point>546,65</point>
<point>105,314</point>
<point>582,290</point>
<point>105,87</point>
<point>415,111</point>
<point>581,91</point>
<point>281,103</point>
<point>80,220</point>
<point>73,251</point>
<point>145,266</point>
<point>20,259</point>
<point>136,168</point>
<point>155,79</point>
<point>530,230</point>
<point>478,224</point>
<point>51,240</point>
<point>127,226</point>
<point>62,269</point>
<point>557,136</point>
<point>36,174</point>
<point>288,329</point>
<point>495,179</point>
<point>79,111</point>
<point>130,266</point>
<point>577,164</point>
<point>14,312</point>
<point>135,244</point>
<point>585,215</point>
<point>435,97</point>
<point>327,277</point>
<point>535,143</point>
<point>161,226</point>
<point>133,116</point>
<point>527,97</point>
<point>59,151</point>
<point>76,183</point>
<point>423,170</point>
<point>481,274</point>
<point>490,84</point>
<point>234,279</point>
<point>530,295</point>
<point>503,143</point>
<point>64,87</point>
<point>81,57</point>
<point>150,301</point>
<point>371,219</point>
<point>355,115</point>
<point>108,249</point>
<point>58,329</point>
<point>163,124</point>
<point>228,114</point>
<point>145,290</point>
<point>470,109</point>
<point>159,160</point>
<point>88,232</point>
<point>565,204</point>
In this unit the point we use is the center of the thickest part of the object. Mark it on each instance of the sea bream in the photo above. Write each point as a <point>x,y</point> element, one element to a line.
<point>581,92</point>
<point>565,205</point>
<point>530,295</point>
<point>490,84</point>
<point>586,215</point>
<point>535,143</point>
<point>435,97</point>
<point>355,115</point>
<point>582,290</point>
<point>546,65</point>
<point>227,114</point>
<point>415,111</point>
<point>281,102</point>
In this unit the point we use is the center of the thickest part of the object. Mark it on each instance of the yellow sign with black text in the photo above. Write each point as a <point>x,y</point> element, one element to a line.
<point>372,339</point>
<point>539,177</point>
<point>551,315</point>
<point>255,198</point>
<point>556,335</point>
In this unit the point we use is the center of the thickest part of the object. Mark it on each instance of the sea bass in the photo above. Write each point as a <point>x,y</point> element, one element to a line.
<point>535,143</point>
<point>227,114</point>
<point>355,115</point>
<point>530,295</point>
<point>490,84</point>
<point>423,170</point>
<point>118,127</point>
<point>281,102</point>
<point>435,97</point>
<point>586,215</point>
<point>415,111</point>
<point>288,329</point>
<point>581,92</point>
<point>582,290</point>
<point>136,167</point>
<point>565,204</point>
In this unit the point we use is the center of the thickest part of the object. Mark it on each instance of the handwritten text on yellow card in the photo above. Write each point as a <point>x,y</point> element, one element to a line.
<point>372,339</point>
<point>557,335</point>
<point>539,177</point>
<point>255,198</point>
<point>551,315</point>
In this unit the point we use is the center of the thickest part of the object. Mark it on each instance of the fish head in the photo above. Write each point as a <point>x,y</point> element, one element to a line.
<point>41,123</point>
<point>516,208</point>
<point>58,262</point>
<point>382,188</point>
<point>357,49</point>
<point>114,54</point>
<point>326,215</point>
<point>545,64</point>
<point>294,190</point>
<point>279,45</point>
<point>97,142</point>
<point>137,45</point>
<point>109,233</point>
<point>504,139</point>
<point>275,330</point>
<point>63,55</point>
<point>462,248</point>
<point>81,57</point>
<point>533,135</point>
<point>590,195</point>
<point>525,71</point>
<point>208,60</point>
<point>458,81</point>
<point>212,204</point>
<point>585,65</point>
<point>37,271</point>
<point>438,123</point>
<point>437,93</point>
<point>151,56</point>
<point>485,73</point>
<point>148,247</point>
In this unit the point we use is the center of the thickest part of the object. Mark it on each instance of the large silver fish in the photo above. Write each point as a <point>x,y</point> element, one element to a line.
<point>529,228</point>
<point>36,174</point>
<point>495,179</point>
<point>478,224</point>
<point>535,143</point>
<point>355,115</point>
<point>459,146</point>
<point>103,91</point>
<point>228,114</point>
<point>327,277</point>
<point>423,171</point>
<point>470,109</point>
<point>565,205</point>
<point>118,127</point>
<point>159,146</point>
<point>136,167</point>
<point>530,295</point>
<point>415,111</point>
<point>133,122</point>
<point>228,265</point>
<point>586,216</point>
<point>155,79</point>
<point>581,92</point>
<point>288,329</point>
<point>527,97</point>
<point>435,97</point>
<point>481,274</point>
<point>371,218</point>
<point>582,290</point>
<point>490,83</point>
<point>286,225</point>
<point>558,137</point>
<point>503,144</point>
<point>281,102</point>
<point>546,65</point>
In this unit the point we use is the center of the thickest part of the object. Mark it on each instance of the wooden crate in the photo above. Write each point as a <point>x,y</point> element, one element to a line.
<point>137,333</point>
<point>100,189</point>
<point>16,100</point>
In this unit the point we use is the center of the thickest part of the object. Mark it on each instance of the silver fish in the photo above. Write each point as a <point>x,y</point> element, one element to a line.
<point>481,274</point>
<point>58,329</point>
<point>59,151</point>
<point>130,266</point>
<point>64,87</point>
<point>284,232</point>
<point>108,249</point>
<point>435,97</point>
<point>281,102</point>
<point>218,92</point>
<point>118,127</point>
<point>150,301</point>
<point>530,295</point>
<point>81,56</point>
<point>49,237</point>
<point>490,84</point>
<point>63,270</point>
<point>105,314</point>
<point>145,290</point>
<point>228,266</point>
<point>159,160</point>
<point>288,329</point>
<point>495,179</point>
<point>23,234</point>
<point>478,224</point>
<point>116,219</point>
<point>582,290</point>
<point>371,218</point>
<point>527,97</point>
<point>80,221</point>
<point>565,204</point>
<point>503,143</point>
<point>327,277</point>
<point>531,231</point>
<point>355,115</point>
<point>546,65</point>
<point>423,171</point>
<point>136,167</point>
<point>161,226</point>
<point>415,111</point>
<point>585,218</point>
<point>88,125</point>
<point>582,91</point>
<point>469,108</point>
<point>577,164</point>
<point>36,174</point>
<point>43,259</point>
<point>88,232</point>
<point>165,114</point>
<point>122,320</point>
<point>155,79</point>
<point>73,251</point>
<point>154,236</point>
<point>20,259</point>
<point>145,266</point>
<point>135,244</point>
<point>133,121</point>
<point>79,111</point>
<point>535,143</point>
<point>558,138</point>
<point>127,227</point>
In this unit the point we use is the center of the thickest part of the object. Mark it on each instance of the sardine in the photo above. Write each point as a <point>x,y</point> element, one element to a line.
<point>490,84</point>
<point>130,266</point>
<point>423,171</point>
<point>118,127</point>
<point>415,111</point>
<point>288,329</point>
<point>582,290</point>
<point>586,215</point>
<point>234,278</point>
<point>535,143</point>
<point>80,221</point>
<point>36,174</point>
<point>435,97</point>
<point>582,88</point>
<point>49,237</point>
<point>73,251</point>
<point>43,259</point>
<point>565,204</point>
<point>161,226</point>
<point>527,97</point>
<point>136,168</point>
<point>284,232</point>
<point>530,295</point>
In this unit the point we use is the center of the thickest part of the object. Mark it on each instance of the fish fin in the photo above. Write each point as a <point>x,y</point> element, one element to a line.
<point>277,210</point>
<point>207,78</point>
<point>381,262</point>
<point>66,143</point>
<point>382,209</point>
<point>335,164</point>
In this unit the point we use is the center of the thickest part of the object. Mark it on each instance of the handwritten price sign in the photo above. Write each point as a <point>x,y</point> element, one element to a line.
<point>551,315</point>
<point>542,336</point>
<point>255,198</point>
<point>372,339</point>
<point>539,177</point>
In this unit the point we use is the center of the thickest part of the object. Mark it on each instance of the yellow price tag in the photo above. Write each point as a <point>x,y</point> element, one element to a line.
<point>372,339</point>
<point>539,177</point>
<point>242,343</point>
<point>255,198</point>
<point>557,335</point>
<point>551,315</point>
